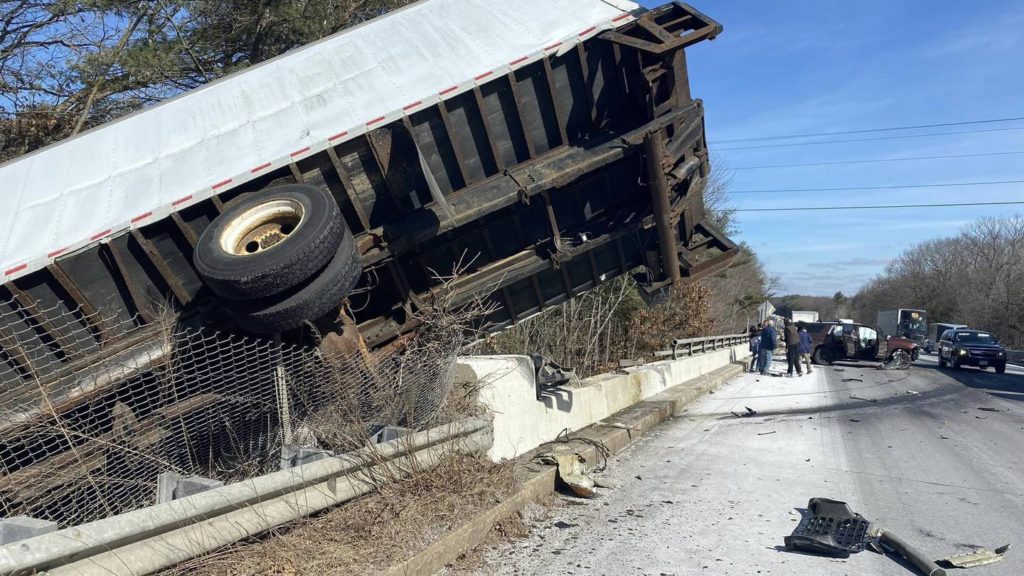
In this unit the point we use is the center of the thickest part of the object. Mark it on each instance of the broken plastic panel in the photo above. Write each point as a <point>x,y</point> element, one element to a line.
<point>829,528</point>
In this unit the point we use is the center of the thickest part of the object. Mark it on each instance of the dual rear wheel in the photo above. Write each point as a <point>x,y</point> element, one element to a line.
<point>279,257</point>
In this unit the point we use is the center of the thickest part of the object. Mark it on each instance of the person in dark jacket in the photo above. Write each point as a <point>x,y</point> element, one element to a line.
<point>769,339</point>
<point>754,335</point>
<point>792,338</point>
<point>805,348</point>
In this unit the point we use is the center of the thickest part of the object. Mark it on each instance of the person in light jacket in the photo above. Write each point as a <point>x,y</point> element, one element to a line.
<point>805,348</point>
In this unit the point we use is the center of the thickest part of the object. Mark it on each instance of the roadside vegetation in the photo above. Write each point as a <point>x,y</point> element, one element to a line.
<point>70,65</point>
<point>975,277</point>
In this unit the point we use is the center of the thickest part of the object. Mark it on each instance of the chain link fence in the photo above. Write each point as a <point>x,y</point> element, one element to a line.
<point>90,418</point>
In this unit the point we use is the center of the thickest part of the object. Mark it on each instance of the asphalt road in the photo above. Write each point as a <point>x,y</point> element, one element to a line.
<point>710,493</point>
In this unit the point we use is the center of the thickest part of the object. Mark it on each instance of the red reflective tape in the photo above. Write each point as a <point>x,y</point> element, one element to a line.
<point>297,152</point>
<point>447,90</point>
<point>260,167</point>
<point>413,105</point>
<point>15,270</point>
<point>338,135</point>
<point>517,61</point>
<point>588,31</point>
<point>99,235</point>
<point>221,183</point>
<point>484,75</point>
<point>621,17</point>
<point>57,252</point>
<point>141,217</point>
<point>181,200</point>
<point>555,45</point>
<point>375,120</point>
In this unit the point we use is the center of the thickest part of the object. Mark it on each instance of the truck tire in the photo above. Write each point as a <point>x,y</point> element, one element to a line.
<point>942,361</point>
<point>1000,368</point>
<point>269,242</point>
<point>309,301</point>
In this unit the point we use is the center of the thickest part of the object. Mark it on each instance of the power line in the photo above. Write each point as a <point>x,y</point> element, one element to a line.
<point>873,207</point>
<point>887,187</point>
<point>902,136</point>
<point>867,130</point>
<point>875,160</point>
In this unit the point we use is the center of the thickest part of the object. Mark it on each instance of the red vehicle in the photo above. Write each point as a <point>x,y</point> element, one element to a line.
<point>834,341</point>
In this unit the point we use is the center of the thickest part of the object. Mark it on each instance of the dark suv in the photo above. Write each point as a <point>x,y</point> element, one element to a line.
<point>963,347</point>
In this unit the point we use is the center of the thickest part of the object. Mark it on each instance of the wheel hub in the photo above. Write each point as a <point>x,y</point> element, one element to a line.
<point>262,227</point>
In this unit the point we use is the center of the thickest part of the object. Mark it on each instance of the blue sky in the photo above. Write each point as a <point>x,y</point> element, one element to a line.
<point>794,67</point>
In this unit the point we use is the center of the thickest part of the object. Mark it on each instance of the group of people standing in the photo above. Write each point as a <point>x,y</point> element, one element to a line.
<point>764,338</point>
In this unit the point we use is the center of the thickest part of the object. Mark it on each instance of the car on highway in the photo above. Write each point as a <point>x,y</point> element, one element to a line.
<point>964,347</point>
<point>832,341</point>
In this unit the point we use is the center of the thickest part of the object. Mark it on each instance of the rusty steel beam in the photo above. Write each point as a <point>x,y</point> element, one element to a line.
<point>488,129</point>
<point>162,267</point>
<point>346,183</point>
<point>654,148</point>
<point>549,76</point>
<point>449,133</point>
<point>190,235</point>
<point>30,307</point>
<point>517,101</point>
<point>135,292</point>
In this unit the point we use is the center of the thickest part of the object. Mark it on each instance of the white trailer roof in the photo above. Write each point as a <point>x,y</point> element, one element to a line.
<point>139,169</point>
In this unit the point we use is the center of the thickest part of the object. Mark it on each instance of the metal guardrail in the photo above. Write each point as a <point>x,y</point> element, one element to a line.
<point>699,345</point>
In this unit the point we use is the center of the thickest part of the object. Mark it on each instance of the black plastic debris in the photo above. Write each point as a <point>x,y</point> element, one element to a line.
<point>750,412</point>
<point>829,528</point>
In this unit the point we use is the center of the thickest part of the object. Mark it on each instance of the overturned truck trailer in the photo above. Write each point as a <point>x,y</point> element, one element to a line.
<point>537,148</point>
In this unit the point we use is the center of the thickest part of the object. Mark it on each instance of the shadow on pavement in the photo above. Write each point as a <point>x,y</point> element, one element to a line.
<point>1008,386</point>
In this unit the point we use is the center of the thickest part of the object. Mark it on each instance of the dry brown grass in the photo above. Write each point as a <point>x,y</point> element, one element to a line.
<point>371,533</point>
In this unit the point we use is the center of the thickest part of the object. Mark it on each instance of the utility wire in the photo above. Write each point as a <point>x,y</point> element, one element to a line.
<point>873,207</point>
<point>876,160</point>
<point>867,130</point>
<point>892,187</point>
<point>902,136</point>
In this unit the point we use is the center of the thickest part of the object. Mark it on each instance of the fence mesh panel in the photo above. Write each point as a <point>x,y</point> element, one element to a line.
<point>93,409</point>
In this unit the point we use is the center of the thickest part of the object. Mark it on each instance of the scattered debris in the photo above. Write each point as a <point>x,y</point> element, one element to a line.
<point>830,528</point>
<point>765,433</point>
<point>852,397</point>
<point>571,472</point>
<point>982,417</point>
<point>854,420</point>
<point>563,525</point>
<point>750,412</point>
<point>943,437</point>
<point>987,409</point>
<point>979,557</point>
<point>606,483</point>
<point>852,380</point>
<point>912,392</point>
<point>839,369</point>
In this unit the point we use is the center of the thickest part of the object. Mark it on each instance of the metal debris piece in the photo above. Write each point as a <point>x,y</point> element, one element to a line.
<point>987,409</point>
<point>765,433</point>
<point>852,397</point>
<point>829,528</point>
<point>852,380</point>
<point>979,557</point>
<point>573,474</point>
<point>750,412</point>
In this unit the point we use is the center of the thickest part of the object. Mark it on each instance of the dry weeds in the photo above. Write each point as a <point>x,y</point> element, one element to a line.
<point>371,533</point>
